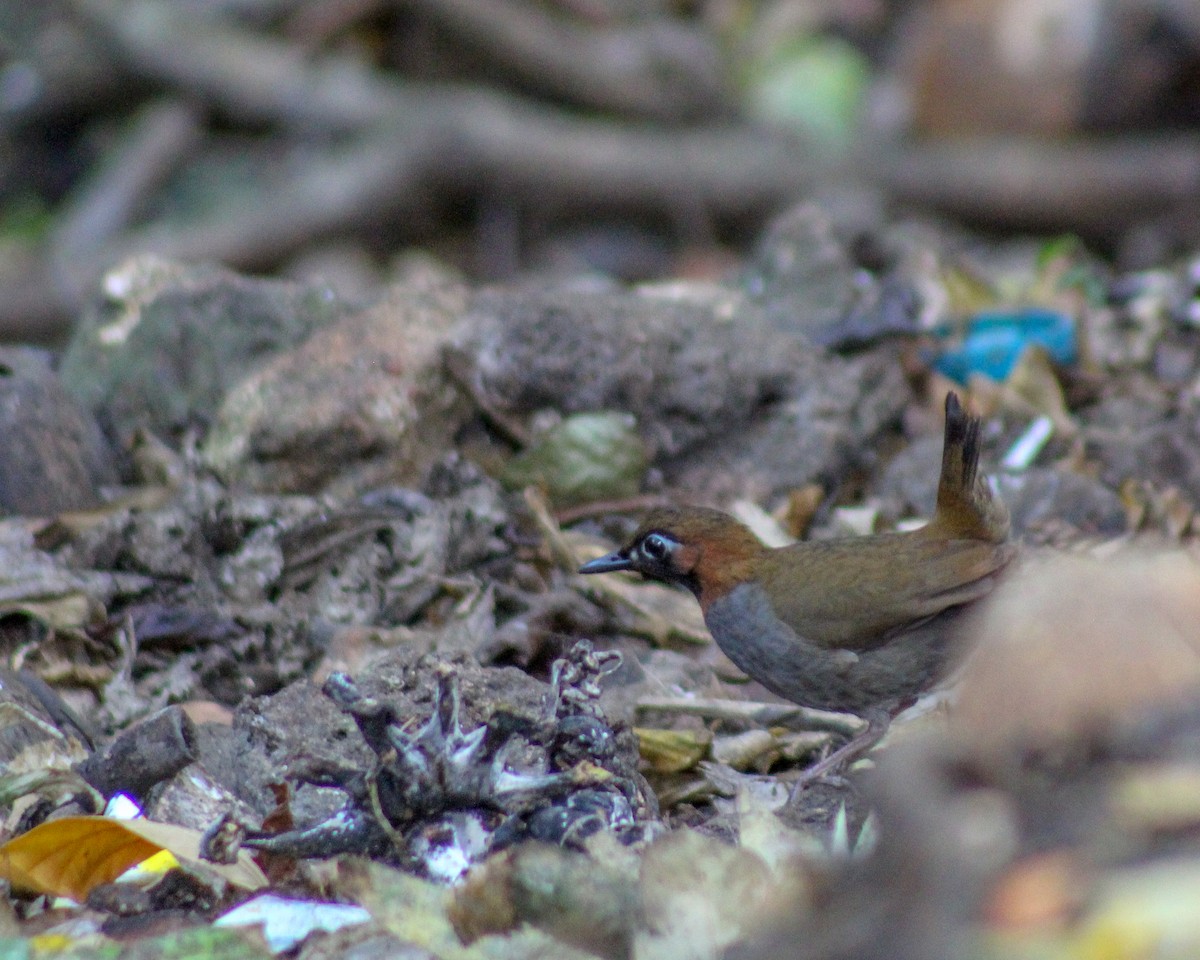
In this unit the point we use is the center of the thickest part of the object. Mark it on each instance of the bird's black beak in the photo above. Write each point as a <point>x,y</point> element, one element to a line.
<point>607,564</point>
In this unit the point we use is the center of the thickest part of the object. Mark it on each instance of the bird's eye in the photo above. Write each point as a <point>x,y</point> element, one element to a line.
<point>656,547</point>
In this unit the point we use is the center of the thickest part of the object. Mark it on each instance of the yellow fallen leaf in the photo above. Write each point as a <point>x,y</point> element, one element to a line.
<point>71,856</point>
<point>672,751</point>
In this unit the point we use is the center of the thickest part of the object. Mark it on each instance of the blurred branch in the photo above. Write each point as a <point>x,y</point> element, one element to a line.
<point>248,75</point>
<point>662,68</point>
<point>66,77</point>
<point>342,187</point>
<point>109,199</point>
<point>453,141</point>
<point>378,150</point>
<point>487,137</point>
<point>401,150</point>
<point>1096,187</point>
<point>313,22</point>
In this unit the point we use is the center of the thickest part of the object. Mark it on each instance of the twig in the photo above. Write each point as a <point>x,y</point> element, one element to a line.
<point>462,371</point>
<point>766,714</point>
<point>600,508</point>
<point>561,550</point>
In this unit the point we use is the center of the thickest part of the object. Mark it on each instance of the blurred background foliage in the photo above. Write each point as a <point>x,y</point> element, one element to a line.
<point>631,138</point>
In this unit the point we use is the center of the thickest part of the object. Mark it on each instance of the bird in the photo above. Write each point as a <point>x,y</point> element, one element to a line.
<point>859,624</point>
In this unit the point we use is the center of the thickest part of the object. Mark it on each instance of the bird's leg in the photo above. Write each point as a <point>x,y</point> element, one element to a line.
<point>877,725</point>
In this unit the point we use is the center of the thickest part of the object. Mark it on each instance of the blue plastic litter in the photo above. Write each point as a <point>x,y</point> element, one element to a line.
<point>996,339</point>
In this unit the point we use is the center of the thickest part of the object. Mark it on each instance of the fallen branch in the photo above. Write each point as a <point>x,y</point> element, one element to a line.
<point>765,714</point>
<point>657,68</point>
<point>1096,187</point>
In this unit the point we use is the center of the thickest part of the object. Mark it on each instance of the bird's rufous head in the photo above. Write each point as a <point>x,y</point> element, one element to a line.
<point>705,550</point>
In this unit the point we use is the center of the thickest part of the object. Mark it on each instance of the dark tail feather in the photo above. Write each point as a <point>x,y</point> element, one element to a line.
<point>965,505</point>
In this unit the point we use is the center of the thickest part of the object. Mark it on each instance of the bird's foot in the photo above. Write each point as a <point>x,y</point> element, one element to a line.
<point>837,762</point>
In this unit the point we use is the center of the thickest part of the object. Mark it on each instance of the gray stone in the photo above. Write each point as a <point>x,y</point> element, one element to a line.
<point>164,342</point>
<point>55,456</point>
<point>689,363</point>
<point>361,403</point>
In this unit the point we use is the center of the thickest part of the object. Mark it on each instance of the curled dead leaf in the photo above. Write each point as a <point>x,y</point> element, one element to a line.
<point>71,856</point>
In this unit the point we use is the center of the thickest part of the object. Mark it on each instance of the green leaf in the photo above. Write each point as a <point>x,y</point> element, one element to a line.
<point>814,84</point>
<point>587,457</point>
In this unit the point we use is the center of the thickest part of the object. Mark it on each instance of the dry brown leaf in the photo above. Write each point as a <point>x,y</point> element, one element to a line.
<point>71,611</point>
<point>660,614</point>
<point>1033,381</point>
<point>71,856</point>
<point>748,750</point>
<point>801,508</point>
<point>700,895</point>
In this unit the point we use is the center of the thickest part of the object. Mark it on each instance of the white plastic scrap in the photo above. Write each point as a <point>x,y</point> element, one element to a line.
<point>287,922</point>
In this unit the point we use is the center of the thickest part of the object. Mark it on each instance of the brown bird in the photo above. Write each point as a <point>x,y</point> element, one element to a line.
<point>858,624</point>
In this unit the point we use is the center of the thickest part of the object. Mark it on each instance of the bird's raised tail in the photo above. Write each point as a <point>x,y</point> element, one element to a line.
<point>966,508</point>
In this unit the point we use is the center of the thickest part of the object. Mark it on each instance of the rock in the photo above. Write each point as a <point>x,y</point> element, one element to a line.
<point>55,456</point>
<point>1167,454</point>
<point>837,409</point>
<point>908,484</point>
<point>729,402</point>
<point>1036,496</point>
<point>689,362</point>
<point>164,342</point>
<point>801,273</point>
<point>1041,495</point>
<point>299,724</point>
<point>1087,647</point>
<point>361,403</point>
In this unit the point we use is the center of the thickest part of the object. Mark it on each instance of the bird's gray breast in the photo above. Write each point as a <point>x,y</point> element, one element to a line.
<point>770,651</point>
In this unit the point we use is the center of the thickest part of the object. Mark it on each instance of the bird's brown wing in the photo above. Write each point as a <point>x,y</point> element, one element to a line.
<point>857,594</point>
